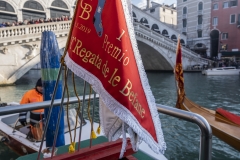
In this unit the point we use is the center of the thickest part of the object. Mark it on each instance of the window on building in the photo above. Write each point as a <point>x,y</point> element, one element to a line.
<point>233,3</point>
<point>4,6</point>
<point>225,4</point>
<point>224,35</point>
<point>184,23</point>
<point>152,10</point>
<point>185,10</point>
<point>163,9</point>
<point>199,33</point>
<point>200,19</point>
<point>200,6</point>
<point>59,4</point>
<point>184,0</point>
<point>33,5</point>
<point>215,21</point>
<point>215,6</point>
<point>238,22</point>
<point>232,18</point>
<point>172,12</point>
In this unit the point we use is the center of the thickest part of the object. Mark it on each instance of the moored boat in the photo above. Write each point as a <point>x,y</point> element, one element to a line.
<point>221,71</point>
<point>223,128</point>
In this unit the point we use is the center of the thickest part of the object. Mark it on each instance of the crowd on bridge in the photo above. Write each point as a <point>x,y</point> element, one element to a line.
<point>34,21</point>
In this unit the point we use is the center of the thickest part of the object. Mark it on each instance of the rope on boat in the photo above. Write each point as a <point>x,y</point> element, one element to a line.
<point>93,134</point>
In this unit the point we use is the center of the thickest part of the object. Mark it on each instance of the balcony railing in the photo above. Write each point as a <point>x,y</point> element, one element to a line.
<point>200,12</point>
<point>184,16</point>
<point>184,29</point>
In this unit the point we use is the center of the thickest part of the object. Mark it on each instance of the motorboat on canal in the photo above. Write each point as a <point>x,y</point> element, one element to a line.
<point>221,71</point>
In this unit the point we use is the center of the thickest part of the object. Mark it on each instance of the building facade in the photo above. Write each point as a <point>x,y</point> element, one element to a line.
<point>225,28</point>
<point>165,13</point>
<point>20,10</point>
<point>194,20</point>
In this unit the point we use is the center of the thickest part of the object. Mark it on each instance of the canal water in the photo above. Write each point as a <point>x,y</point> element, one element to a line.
<point>182,137</point>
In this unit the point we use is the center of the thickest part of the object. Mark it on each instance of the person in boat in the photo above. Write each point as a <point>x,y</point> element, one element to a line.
<point>31,96</point>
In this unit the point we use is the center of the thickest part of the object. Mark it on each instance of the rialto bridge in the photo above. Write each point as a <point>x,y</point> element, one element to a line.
<point>20,45</point>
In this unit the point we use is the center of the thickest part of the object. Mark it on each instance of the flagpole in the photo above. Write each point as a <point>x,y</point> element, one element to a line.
<point>59,116</point>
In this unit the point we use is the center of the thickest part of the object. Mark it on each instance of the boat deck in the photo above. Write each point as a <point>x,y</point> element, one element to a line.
<point>64,149</point>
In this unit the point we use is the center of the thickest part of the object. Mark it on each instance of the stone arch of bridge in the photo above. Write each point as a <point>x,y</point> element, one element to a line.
<point>153,57</point>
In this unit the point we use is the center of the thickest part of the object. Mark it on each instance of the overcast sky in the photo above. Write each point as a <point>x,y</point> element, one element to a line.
<point>141,3</point>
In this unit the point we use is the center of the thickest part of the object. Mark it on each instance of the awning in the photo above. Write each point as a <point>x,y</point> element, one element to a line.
<point>229,54</point>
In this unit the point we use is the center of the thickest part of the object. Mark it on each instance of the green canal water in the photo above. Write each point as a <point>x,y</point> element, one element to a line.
<point>182,138</point>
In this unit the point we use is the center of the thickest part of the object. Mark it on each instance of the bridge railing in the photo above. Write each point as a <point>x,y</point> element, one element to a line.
<point>19,34</point>
<point>169,42</point>
<point>26,33</point>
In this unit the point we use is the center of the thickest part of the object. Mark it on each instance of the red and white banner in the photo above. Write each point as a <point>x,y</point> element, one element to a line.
<point>103,51</point>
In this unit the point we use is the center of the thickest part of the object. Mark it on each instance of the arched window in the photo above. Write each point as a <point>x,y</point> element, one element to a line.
<point>144,22</point>
<point>59,4</point>
<point>165,33</point>
<point>134,17</point>
<point>4,6</point>
<point>7,12</point>
<point>59,9</point>
<point>200,20</point>
<point>155,28</point>
<point>199,45</point>
<point>33,10</point>
<point>33,5</point>
<point>200,6</point>
<point>185,10</point>
<point>173,37</point>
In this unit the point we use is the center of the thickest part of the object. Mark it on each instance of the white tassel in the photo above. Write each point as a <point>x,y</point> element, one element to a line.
<point>124,143</point>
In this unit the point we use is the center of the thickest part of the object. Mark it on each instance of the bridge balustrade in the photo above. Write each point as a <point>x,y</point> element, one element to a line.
<point>26,33</point>
<point>165,41</point>
<point>19,34</point>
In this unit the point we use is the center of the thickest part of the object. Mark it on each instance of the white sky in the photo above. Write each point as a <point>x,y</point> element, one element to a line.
<point>141,3</point>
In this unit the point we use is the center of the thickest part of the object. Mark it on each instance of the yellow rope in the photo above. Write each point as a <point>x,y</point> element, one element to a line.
<point>93,134</point>
<point>66,86</point>
<point>72,145</point>
<point>99,129</point>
